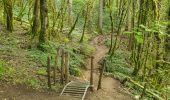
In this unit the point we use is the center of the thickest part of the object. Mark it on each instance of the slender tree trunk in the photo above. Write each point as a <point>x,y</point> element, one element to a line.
<point>84,27</point>
<point>44,21</point>
<point>101,74</point>
<point>139,45</point>
<point>131,40</point>
<point>9,14</point>
<point>70,13</point>
<point>128,24</point>
<point>110,4</point>
<point>85,22</point>
<point>100,22</point>
<point>35,27</point>
<point>168,30</point>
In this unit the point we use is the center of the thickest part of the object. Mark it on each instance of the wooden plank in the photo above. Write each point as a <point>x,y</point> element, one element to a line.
<point>74,96</point>
<point>74,89</point>
<point>72,92</point>
<point>76,86</point>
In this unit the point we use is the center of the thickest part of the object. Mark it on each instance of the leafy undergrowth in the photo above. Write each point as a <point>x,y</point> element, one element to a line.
<point>119,66</point>
<point>22,64</point>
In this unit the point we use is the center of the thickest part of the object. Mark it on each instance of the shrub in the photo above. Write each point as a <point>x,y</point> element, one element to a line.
<point>117,65</point>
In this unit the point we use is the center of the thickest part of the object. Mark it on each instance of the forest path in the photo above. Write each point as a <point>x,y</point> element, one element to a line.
<point>111,88</point>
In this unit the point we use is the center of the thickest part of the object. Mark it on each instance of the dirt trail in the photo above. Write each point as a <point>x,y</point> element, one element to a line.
<point>111,88</point>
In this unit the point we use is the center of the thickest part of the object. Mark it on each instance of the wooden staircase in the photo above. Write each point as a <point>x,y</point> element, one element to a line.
<point>75,90</point>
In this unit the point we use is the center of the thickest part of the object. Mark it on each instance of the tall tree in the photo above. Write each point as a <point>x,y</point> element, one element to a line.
<point>168,28</point>
<point>100,22</point>
<point>9,14</point>
<point>70,13</point>
<point>35,26</point>
<point>44,21</point>
<point>131,39</point>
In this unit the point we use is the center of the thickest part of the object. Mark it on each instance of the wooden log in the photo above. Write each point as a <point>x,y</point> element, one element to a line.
<point>91,75</point>
<point>48,72</point>
<point>146,90</point>
<point>101,74</point>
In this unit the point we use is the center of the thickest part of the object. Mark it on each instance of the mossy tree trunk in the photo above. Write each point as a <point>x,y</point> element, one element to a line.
<point>36,21</point>
<point>110,7</point>
<point>87,18</point>
<point>44,21</point>
<point>139,46</point>
<point>9,14</point>
<point>168,29</point>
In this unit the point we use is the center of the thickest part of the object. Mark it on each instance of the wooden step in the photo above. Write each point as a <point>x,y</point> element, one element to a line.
<point>73,95</point>
<point>79,90</point>
<point>73,92</point>
<point>76,89</point>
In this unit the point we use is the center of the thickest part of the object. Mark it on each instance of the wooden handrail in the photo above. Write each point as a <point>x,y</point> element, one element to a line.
<point>85,92</point>
<point>65,87</point>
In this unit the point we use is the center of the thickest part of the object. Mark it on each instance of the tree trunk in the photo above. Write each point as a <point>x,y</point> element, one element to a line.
<point>110,4</point>
<point>9,14</point>
<point>35,26</point>
<point>70,13</point>
<point>44,21</point>
<point>100,23</point>
<point>131,40</point>
<point>101,74</point>
<point>168,30</point>
<point>85,22</point>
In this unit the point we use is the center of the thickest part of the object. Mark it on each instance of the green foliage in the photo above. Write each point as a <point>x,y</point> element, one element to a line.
<point>87,49</point>
<point>42,71</point>
<point>74,70</point>
<point>39,56</point>
<point>118,66</point>
<point>76,62</point>
<point>31,82</point>
<point>2,69</point>
<point>139,37</point>
<point>107,42</point>
<point>6,72</point>
<point>76,35</point>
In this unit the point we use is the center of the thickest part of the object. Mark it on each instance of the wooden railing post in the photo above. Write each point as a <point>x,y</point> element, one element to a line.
<point>48,72</point>
<point>101,74</point>
<point>55,66</point>
<point>66,67</point>
<point>91,74</point>
<point>62,67</point>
